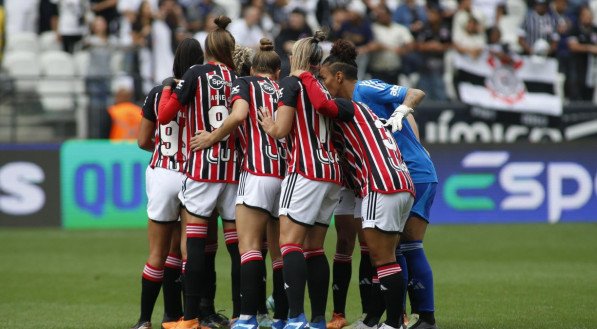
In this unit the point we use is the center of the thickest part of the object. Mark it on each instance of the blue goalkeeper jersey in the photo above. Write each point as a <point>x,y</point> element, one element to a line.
<point>383,99</point>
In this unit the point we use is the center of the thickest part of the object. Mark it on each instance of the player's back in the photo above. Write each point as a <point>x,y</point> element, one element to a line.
<point>383,99</point>
<point>170,139</point>
<point>262,154</point>
<point>205,92</point>
<point>371,144</point>
<point>311,152</point>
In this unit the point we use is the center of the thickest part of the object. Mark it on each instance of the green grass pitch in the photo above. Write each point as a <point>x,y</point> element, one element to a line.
<point>486,276</point>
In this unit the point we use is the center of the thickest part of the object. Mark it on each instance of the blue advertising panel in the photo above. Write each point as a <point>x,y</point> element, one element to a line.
<point>515,183</point>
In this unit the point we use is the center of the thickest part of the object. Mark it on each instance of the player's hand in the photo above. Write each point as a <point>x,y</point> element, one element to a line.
<point>201,141</point>
<point>265,120</point>
<point>395,121</point>
<point>169,82</point>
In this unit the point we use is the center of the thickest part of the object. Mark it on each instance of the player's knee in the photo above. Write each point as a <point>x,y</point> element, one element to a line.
<point>345,245</point>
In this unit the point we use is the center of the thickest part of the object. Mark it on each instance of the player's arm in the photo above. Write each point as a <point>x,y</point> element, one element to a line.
<point>173,100</point>
<point>281,126</point>
<point>338,108</point>
<point>414,126</point>
<point>169,103</point>
<point>204,139</point>
<point>146,133</point>
<point>148,121</point>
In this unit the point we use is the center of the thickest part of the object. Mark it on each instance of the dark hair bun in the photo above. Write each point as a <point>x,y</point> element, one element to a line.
<point>266,44</point>
<point>222,21</point>
<point>320,36</point>
<point>344,50</point>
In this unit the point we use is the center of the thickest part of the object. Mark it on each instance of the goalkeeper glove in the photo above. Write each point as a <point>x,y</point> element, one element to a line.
<point>395,121</point>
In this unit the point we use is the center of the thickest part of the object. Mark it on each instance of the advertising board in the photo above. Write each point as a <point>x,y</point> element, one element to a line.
<point>103,184</point>
<point>515,183</point>
<point>29,185</point>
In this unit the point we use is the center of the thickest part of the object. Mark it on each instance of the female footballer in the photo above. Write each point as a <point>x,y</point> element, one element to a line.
<point>212,174</point>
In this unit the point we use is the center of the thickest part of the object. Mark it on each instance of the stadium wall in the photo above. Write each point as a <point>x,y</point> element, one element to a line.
<point>101,184</point>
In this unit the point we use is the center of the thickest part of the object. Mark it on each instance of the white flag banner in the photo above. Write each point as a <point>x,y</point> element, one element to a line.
<point>524,85</point>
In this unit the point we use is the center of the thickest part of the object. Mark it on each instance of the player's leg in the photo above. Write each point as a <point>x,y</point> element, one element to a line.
<point>171,286</point>
<point>303,202</point>
<point>342,267</point>
<point>318,274</point>
<point>162,209</point>
<point>207,310</point>
<point>419,270</point>
<point>384,216</point>
<point>226,208</point>
<point>279,293</point>
<point>318,267</point>
<point>263,317</point>
<point>251,224</point>
<point>199,200</point>
<point>153,273</point>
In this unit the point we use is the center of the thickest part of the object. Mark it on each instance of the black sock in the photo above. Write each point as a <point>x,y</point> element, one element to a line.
<point>318,281</point>
<point>342,271</point>
<point>251,274</point>
<point>151,282</point>
<point>232,246</point>
<point>196,236</point>
<point>279,294</point>
<point>390,278</point>
<point>261,307</point>
<point>365,275</point>
<point>208,293</point>
<point>295,278</point>
<point>428,317</point>
<point>376,304</point>
<point>171,288</point>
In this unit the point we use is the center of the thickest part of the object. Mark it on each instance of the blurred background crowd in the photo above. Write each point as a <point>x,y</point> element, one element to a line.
<point>119,49</point>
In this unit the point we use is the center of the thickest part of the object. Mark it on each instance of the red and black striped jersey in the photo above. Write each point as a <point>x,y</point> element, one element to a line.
<point>204,91</point>
<point>372,154</point>
<point>263,155</point>
<point>170,139</point>
<point>310,151</point>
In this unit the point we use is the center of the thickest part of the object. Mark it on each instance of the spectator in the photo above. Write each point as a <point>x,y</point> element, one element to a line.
<point>2,29</point>
<point>141,55</point>
<point>278,12</point>
<point>48,16</point>
<point>247,31</point>
<point>125,116</point>
<point>21,16</point>
<point>462,17</point>
<point>583,45</point>
<point>492,11</point>
<point>412,15</point>
<point>539,31</point>
<point>166,30</point>
<point>100,47</point>
<point>559,9</point>
<point>354,27</point>
<point>107,10</point>
<point>433,41</point>
<point>196,12</point>
<point>473,41</point>
<point>296,28</point>
<point>498,48</point>
<point>392,42</point>
<point>71,22</point>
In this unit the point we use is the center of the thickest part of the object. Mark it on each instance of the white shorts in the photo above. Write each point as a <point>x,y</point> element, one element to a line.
<point>259,192</point>
<point>348,204</point>
<point>308,202</point>
<point>201,198</point>
<point>387,212</point>
<point>162,187</point>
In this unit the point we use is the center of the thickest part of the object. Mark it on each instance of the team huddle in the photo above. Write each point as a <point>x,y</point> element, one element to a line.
<point>275,159</point>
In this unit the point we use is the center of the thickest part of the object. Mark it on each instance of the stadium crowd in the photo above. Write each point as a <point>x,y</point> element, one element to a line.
<point>407,42</point>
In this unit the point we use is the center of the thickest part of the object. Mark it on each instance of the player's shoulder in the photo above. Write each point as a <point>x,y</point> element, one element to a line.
<point>372,83</point>
<point>156,90</point>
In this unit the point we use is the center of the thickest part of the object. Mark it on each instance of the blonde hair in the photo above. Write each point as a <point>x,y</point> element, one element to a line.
<point>242,60</point>
<point>307,53</point>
